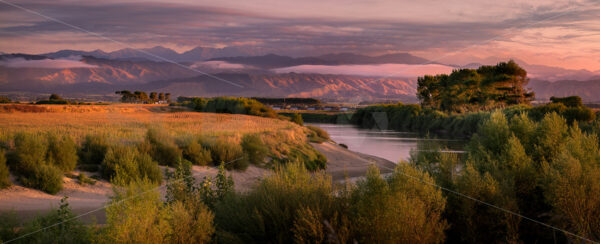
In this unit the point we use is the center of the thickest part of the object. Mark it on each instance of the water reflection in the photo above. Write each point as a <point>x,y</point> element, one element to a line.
<point>388,144</point>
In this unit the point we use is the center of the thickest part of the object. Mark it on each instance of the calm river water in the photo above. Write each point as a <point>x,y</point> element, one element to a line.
<point>388,144</point>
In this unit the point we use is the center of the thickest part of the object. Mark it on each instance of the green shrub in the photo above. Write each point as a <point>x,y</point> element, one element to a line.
<point>191,223</point>
<point>225,151</point>
<point>84,180</point>
<point>399,209</point>
<point>44,177</point>
<point>232,105</point>
<point>30,153</point>
<point>4,173</point>
<point>136,215</point>
<point>93,149</point>
<point>29,162</point>
<point>62,152</point>
<point>297,118</point>
<point>162,148</point>
<point>268,212</point>
<point>254,149</point>
<point>129,165</point>
<point>196,153</point>
<point>320,132</point>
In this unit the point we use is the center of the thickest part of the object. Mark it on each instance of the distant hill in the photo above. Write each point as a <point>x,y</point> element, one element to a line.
<point>157,53</point>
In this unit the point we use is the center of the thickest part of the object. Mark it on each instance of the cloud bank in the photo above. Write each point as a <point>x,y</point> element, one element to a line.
<point>381,70</point>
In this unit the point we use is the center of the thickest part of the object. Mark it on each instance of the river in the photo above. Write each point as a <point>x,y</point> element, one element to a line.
<point>388,144</point>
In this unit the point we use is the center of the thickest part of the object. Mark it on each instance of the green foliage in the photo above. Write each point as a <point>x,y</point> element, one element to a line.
<point>128,165</point>
<point>297,118</point>
<point>161,147</point>
<point>572,101</point>
<point>93,149</point>
<point>266,213</point>
<point>473,89</point>
<point>62,152</point>
<point>54,99</point>
<point>547,170</point>
<point>336,118</point>
<point>401,209</point>
<point>29,161</point>
<point>231,105</point>
<point>4,173</point>
<point>318,135</point>
<point>254,149</point>
<point>224,151</point>
<point>196,153</point>
<point>190,223</point>
<point>85,180</point>
<point>141,218</point>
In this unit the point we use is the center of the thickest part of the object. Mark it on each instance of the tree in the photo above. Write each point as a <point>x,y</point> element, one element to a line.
<point>161,96</point>
<point>473,89</point>
<point>153,96</point>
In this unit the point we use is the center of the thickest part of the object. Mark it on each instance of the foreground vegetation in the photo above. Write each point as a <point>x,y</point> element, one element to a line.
<point>547,170</point>
<point>290,205</point>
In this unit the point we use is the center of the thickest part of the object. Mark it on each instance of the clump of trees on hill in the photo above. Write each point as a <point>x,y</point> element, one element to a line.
<point>143,97</point>
<point>473,89</point>
<point>54,99</point>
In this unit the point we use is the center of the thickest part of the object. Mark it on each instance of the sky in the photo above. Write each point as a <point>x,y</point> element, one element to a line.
<point>563,33</point>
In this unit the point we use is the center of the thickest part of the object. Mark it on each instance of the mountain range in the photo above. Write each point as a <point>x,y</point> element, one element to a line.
<point>99,72</point>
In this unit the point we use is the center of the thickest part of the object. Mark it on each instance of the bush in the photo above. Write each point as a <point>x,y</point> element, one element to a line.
<point>127,164</point>
<point>30,153</point>
<point>29,162</point>
<point>62,152</point>
<point>162,147</point>
<point>93,149</point>
<point>44,177</point>
<point>317,134</point>
<point>196,153</point>
<point>226,152</point>
<point>232,105</point>
<point>254,149</point>
<point>399,209</point>
<point>297,118</point>
<point>268,212</point>
<point>4,173</point>
<point>144,218</point>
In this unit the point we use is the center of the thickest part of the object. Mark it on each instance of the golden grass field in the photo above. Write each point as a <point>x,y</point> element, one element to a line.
<point>131,121</point>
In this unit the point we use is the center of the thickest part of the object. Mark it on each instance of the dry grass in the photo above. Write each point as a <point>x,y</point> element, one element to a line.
<point>130,122</point>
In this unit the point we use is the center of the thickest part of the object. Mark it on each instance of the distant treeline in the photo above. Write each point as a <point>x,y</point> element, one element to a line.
<point>337,118</point>
<point>412,117</point>
<point>143,97</point>
<point>231,105</point>
<point>291,100</point>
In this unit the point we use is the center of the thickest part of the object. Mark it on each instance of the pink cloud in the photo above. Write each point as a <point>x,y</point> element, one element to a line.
<point>383,70</point>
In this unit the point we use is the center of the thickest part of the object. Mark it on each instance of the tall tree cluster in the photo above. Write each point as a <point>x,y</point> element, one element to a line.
<point>487,87</point>
<point>142,97</point>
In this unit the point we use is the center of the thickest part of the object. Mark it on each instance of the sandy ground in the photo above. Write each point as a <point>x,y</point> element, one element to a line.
<point>342,163</point>
<point>27,202</point>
